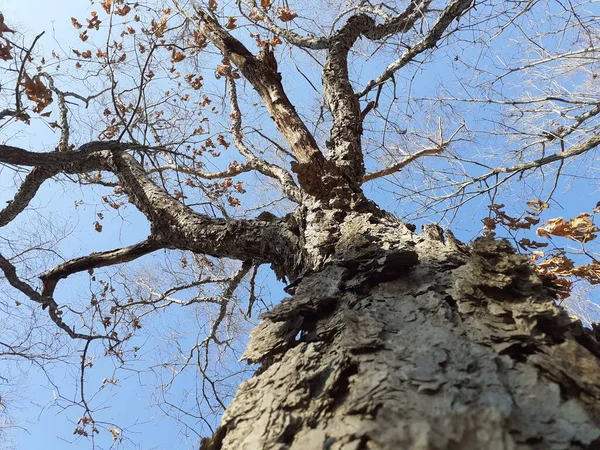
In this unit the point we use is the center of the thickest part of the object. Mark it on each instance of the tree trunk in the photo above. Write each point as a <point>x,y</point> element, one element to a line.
<point>405,341</point>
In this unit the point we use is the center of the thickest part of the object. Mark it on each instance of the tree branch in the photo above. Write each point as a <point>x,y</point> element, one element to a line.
<point>94,261</point>
<point>261,72</point>
<point>25,194</point>
<point>453,11</point>
<point>53,311</point>
<point>312,42</point>
<point>173,224</point>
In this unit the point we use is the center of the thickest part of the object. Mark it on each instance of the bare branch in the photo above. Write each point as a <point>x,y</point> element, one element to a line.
<point>94,261</point>
<point>312,42</point>
<point>436,150</point>
<point>53,310</point>
<point>453,11</point>
<point>26,192</point>
<point>261,72</point>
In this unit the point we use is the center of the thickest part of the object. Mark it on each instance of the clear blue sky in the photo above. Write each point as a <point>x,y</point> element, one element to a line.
<point>50,427</point>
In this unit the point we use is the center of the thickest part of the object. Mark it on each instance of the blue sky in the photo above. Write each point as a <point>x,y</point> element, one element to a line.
<point>50,426</point>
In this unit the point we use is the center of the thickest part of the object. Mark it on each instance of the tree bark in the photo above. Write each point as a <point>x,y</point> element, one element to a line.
<point>406,341</point>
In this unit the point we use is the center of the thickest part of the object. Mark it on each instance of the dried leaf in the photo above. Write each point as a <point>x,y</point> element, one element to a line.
<point>37,92</point>
<point>3,27</point>
<point>285,14</point>
<point>230,25</point>
<point>76,23</point>
<point>177,57</point>
<point>579,228</point>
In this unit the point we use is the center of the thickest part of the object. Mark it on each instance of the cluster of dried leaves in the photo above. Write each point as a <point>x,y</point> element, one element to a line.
<point>564,265</point>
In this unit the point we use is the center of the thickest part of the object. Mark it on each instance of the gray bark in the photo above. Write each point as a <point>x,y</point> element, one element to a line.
<point>405,341</point>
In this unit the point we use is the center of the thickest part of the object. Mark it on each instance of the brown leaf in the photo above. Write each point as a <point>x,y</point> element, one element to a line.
<point>76,23</point>
<point>97,227</point>
<point>177,57</point>
<point>537,205</point>
<point>212,5</point>
<point>285,14</point>
<point>3,27</point>
<point>579,228</point>
<point>5,53</point>
<point>106,4</point>
<point>123,11</point>
<point>37,92</point>
<point>230,25</point>
<point>266,4</point>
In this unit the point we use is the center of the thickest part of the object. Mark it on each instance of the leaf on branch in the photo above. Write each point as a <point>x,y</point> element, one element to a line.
<point>212,5</point>
<point>580,228</point>
<point>97,226</point>
<point>266,4</point>
<point>503,218</point>
<point>94,22</point>
<point>5,53</point>
<point>76,23</point>
<point>527,244</point>
<point>285,14</point>
<point>230,25</point>
<point>537,206</point>
<point>177,56</point>
<point>37,92</point>
<point>123,11</point>
<point>3,27</point>
<point>83,36</point>
<point>106,4</point>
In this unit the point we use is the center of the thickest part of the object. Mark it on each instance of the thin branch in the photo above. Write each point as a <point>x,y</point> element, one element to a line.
<point>53,310</point>
<point>453,11</point>
<point>22,70</point>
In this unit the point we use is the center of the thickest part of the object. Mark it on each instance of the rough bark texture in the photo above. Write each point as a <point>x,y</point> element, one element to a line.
<point>405,341</point>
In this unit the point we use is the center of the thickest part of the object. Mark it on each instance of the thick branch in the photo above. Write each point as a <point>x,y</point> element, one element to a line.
<point>94,261</point>
<point>400,23</point>
<point>261,72</point>
<point>25,194</point>
<point>345,144</point>
<point>173,224</point>
<point>312,42</point>
<point>179,227</point>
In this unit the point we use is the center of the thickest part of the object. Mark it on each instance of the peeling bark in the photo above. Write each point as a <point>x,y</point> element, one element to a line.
<point>416,342</point>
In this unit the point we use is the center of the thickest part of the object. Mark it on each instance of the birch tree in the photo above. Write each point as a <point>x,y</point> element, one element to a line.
<point>392,336</point>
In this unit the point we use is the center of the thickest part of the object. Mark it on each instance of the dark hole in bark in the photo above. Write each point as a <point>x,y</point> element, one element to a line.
<point>341,387</point>
<point>288,435</point>
<point>317,383</point>
<point>450,300</point>
<point>519,351</point>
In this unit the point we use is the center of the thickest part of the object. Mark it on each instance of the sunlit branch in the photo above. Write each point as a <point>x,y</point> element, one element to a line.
<point>261,72</point>
<point>435,150</point>
<point>453,11</point>
<point>264,167</point>
<point>33,181</point>
<point>312,42</point>
<point>94,261</point>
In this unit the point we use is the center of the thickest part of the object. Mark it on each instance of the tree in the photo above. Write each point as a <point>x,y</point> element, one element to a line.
<point>391,338</point>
